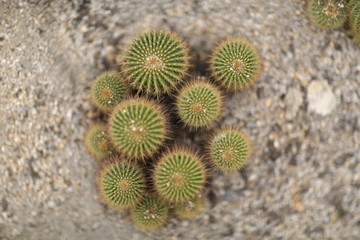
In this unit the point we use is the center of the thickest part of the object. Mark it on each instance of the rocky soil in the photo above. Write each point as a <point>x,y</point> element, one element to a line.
<point>303,117</point>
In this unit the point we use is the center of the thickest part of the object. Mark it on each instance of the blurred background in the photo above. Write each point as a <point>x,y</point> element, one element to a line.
<point>302,115</point>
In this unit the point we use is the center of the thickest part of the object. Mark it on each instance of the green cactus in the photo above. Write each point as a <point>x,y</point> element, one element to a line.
<point>235,64</point>
<point>199,103</point>
<point>156,62</point>
<point>352,4</point>
<point>138,128</point>
<point>97,141</point>
<point>228,149</point>
<point>189,209</point>
<point>327,14</point>
<point>179,175</point>
<point>108,90</point>
<point>354,19</point>
<point>121,184</point>
<point>150,213</point>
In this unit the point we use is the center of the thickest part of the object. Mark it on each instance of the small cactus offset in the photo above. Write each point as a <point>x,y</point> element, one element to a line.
<point>327,14</point>
<point>97,141</point>
<point>179,175</point>
<point>228,149</point>
<point>189,209</point>
<point>156,62</point>
<point>235,64</point>
<point>138,128</point>
<point>108,90</point>
<point>150,213</point>
<point>121,184</point>
<point>199,103</point>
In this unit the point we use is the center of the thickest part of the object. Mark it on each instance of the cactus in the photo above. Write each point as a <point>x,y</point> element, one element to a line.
<point>199,103</point>
<point>121,184</point>
<point>179,175</point>
<point>189,209</point>
<point>235,64</point>
<point>108,90</point>
<point>228,149</point>
<point>138,128</point>
<point>327,14</point>
<point>354,19</point>
<point>156,62</point>
<point>155,65</point>
<point>150,213</point>
<point>97,141</point>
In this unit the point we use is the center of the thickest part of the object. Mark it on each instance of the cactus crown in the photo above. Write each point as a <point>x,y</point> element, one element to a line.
<point>107,91</point>
<point>189,209</point>
<point>199,103</point>
<point>235,64</point>
<point>138,127</point>
<point>156,62</point>
<point>121,185</point>
<point>97,142</point>
<point>150,213</point>
<point>327,14</point>
<point>229,149</point>
<point>179,175</point>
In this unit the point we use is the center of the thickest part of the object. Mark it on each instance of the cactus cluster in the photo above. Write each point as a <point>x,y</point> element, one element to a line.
<point>143,167</point>
<point>333,14</point>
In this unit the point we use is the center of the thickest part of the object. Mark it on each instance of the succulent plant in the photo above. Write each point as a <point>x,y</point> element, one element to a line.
<point>327,14</point>
<point>199,103</point>
<point>179,175</point>
<point>108,90</point>
<point>189,209</point>
<point>150,212</point>
<point>354,19</point>
<point>138,127</point>
<point>156,62</point>
<point>228,149</point>
<point>97,141</point>
<point>235,64</point>
<point>121,184</point>
<point>352,3</point>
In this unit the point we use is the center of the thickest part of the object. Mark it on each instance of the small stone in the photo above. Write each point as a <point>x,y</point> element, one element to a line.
<point>321,98</point>
<point>299,206</point>
<point>293,101</point>
<point>23,112</point>
<point>51,204</point>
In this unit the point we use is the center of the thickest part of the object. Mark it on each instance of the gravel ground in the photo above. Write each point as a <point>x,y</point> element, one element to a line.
<point>303,117</point>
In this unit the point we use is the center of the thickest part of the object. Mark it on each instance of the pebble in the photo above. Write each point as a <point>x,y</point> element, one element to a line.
<point>51,204</point>
<point>321,98</point>
<point>293,101</point>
